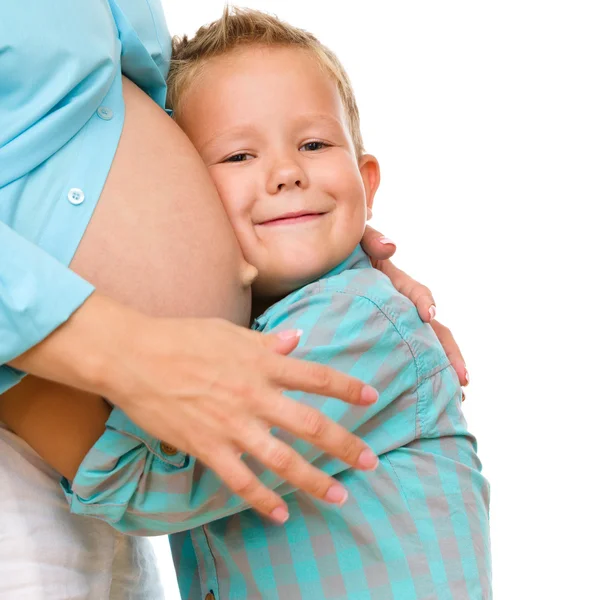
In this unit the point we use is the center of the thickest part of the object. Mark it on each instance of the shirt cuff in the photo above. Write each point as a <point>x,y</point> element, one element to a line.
<point>112,472</point>
<point>119,422</point>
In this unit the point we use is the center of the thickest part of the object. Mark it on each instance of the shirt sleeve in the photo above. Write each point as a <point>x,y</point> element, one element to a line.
<point>142,487</point>
<point>37,295</point>
<point>52,81</point>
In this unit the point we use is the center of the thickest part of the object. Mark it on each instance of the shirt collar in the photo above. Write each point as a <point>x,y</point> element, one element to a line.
<point>356,260</point>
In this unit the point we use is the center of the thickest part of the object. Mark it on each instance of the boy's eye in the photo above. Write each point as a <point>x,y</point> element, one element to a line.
<point>313,146</point>
<point>241,157</point>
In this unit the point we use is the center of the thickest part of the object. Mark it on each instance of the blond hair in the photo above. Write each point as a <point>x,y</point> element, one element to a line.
<point>243,27</point>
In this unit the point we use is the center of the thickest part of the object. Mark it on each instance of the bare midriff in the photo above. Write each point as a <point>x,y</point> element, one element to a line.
<point>159,239</point>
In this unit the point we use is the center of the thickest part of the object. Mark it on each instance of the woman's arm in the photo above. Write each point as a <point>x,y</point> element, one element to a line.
<point>141,486</point>
<point>62,424</point>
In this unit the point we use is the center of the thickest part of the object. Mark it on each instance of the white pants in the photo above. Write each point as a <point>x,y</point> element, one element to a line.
<point>48,554</point>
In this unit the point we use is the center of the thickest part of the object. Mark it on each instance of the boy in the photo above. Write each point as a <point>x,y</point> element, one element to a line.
<point>272,114</point>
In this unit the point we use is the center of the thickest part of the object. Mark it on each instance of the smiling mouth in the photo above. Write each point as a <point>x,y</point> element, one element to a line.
<point>293,218</point>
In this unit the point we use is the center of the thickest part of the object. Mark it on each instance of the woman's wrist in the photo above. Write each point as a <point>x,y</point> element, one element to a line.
<point>88,350</point>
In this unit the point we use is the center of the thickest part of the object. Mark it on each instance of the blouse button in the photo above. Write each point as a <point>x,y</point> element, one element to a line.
<point>76,196</point>
<point>105,113</point>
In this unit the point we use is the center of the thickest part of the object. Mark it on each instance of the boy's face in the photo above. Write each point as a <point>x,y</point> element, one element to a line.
<point>271,127</point>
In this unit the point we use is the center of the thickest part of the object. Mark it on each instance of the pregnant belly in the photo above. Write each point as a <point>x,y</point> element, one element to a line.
<point>159,239</point>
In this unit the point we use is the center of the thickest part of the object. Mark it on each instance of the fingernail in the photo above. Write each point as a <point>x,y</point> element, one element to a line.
<point>386,241</point>
<point>367,460</point>
<point>467,377</point>
<point>369,395</point>
<point>289,334</point>
<point>432,311</point>
<point>336,494</point>
<point>279,515</point>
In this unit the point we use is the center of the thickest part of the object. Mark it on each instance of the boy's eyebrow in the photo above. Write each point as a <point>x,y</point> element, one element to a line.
<point>315,117</point>
<point>237,131</point>
<point>249,129</point>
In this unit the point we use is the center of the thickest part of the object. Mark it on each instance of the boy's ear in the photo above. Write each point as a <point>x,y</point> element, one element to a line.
<point>370,174</point>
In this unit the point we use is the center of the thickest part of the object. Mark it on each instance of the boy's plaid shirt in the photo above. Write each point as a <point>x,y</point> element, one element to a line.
<point>416,528</point>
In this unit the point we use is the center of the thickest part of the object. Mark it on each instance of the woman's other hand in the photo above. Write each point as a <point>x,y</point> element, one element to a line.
<point>380,249</point>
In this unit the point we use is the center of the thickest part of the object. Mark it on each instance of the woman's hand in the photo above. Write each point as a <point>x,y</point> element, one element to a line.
<point>214,390</point>
<point>380,249</point>
<point>211,389</point>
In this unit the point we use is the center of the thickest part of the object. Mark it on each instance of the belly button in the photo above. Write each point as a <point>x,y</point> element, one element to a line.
<point>248,274</point>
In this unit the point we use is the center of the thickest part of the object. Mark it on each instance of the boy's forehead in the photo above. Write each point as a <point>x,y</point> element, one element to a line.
<point>258,53</point>
<point>257,61</point>
<point>253,76</point>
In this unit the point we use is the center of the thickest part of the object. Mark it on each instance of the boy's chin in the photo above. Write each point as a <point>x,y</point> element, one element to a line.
<point>291,275</point>
<point>276,288</point>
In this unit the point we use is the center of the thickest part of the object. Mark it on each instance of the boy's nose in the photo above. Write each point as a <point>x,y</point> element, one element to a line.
<point>286,176</point>
<point>296,183</point>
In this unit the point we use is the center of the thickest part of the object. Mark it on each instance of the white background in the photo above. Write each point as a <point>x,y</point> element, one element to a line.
<point>482,117</point>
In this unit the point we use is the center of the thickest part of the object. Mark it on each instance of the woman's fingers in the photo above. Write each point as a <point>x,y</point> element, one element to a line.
<point>290,466</point>
<point>305,376</point>
<point>380,248</point>
<point>311,425</point>
<point>376,245</point>
<point>419,294</point>
<point>284,461</point>
<point>234,473</point>
<point>283,342</point>
<point>225,382</point>
<point>452,350</point>
<point>293,374</point>
<point>422,298</point>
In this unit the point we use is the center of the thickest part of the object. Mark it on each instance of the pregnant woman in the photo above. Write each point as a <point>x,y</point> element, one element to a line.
<point>95,175</point>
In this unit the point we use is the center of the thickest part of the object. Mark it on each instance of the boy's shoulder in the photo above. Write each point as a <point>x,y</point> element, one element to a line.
<point>364,281</point>
<point>358,298</point>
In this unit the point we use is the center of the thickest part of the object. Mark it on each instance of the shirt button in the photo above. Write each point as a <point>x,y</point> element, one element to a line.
<point>105,113</point>
<point>209,596</point>
<point>76,196</point>
<point>169,451</point>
